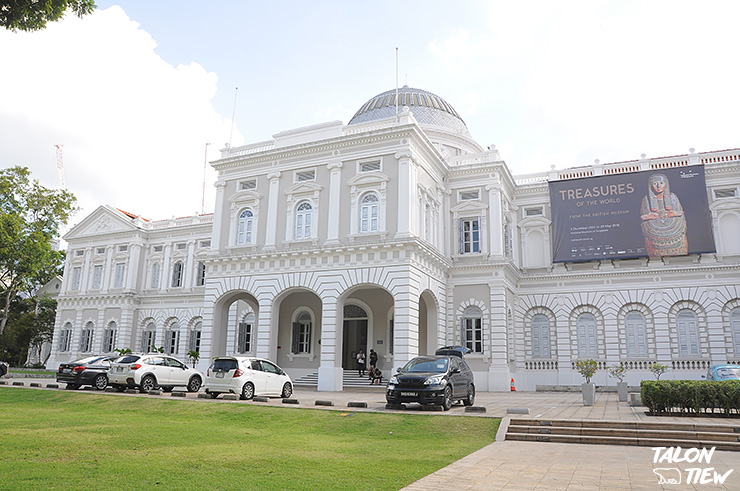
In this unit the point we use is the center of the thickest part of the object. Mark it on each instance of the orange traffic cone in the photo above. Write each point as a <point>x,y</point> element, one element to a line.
<point>513,389</point>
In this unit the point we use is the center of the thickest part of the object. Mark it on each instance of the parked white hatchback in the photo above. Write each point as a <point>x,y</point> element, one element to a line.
<point>147,372</point>
<point>247,377</point>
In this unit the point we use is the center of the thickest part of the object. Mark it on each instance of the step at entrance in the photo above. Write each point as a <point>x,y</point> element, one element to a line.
<point>649,434</point>
<point>349,379</point>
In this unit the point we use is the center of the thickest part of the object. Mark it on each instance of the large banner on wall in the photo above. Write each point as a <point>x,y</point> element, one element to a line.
<point>647,213</point>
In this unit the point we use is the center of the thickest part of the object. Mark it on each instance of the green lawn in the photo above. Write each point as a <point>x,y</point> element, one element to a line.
<point>65,440</point>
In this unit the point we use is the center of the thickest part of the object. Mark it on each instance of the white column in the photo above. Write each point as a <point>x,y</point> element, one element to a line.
<point>218,216</point>
<point>335,183</point>
<point>498,370</point>
<point>189,266</point>
<point>272,206</point>
<point>107,268</point>
<point>166,280</point>
<point>495,224</point>
<point>330,369</point>
<point>406,192</point>
<point>264,328</point>
<point>85,271</point>
<point>133,266</point>
<point>405,326</point>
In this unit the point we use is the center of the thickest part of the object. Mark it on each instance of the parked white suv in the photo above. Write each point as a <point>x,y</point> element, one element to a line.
<point>247,377</point>
<point>150,371</point>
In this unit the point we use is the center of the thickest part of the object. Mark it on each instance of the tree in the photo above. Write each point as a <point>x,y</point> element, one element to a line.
<point>32,15</point>
<point>30,218</point>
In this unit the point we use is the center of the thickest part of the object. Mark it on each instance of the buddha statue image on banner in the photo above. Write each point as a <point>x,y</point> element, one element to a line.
<point>663,220</point>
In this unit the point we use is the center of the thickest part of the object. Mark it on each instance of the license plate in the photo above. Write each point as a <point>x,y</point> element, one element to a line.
<point>66,370</point>
<point>119,369</point>
<point>219,374</point>
<point>409,394</point>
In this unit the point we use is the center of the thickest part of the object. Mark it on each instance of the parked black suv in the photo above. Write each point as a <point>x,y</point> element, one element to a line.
<point>440,380</point>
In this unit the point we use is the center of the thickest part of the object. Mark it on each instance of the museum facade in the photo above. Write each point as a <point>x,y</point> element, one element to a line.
<point>398,232</point>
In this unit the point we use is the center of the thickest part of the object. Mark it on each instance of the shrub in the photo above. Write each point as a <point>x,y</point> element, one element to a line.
<point>691,396</point>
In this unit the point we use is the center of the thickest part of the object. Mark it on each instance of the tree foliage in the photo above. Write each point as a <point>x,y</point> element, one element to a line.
<point>32,15</point>
<point>30,218</point>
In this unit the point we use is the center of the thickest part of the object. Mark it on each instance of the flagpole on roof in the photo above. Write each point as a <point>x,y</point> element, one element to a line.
<point>233,115</point>
<point>396,84</point>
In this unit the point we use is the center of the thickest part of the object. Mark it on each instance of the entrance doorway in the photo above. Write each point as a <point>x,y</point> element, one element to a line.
<point>355,335</point>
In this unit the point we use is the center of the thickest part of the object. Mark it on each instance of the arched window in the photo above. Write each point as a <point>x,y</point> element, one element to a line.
<point>86,338</point>
<point>472,329</point>
<point>155,275</point>
<point>195,332</point>
<point>735,327</point>
<point>109,338</point>
<point>540,336</point>
<point>587,340</point>
<point>177,275</point>
<point>65,337</point>
<point>634,328</point>
<point>200,276</point>
<point>369,213</point>
<point>302,333</point>
<point>244,227</point>
<point>148,338</point>
<point>303,220</point>
<point>172,339</point>
<point>688,333</point>
<point>244,336</point>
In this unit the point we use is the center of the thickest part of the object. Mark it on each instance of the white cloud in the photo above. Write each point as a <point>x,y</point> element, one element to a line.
<point>133,126</point>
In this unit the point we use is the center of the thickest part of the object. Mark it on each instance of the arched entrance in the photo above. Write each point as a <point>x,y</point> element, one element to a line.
<point>354,335</point>
<point>234,324</point>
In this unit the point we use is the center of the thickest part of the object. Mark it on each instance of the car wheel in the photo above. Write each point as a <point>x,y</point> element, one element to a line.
<point>287,390</point>
<point>194,384</point>
<point>447,402</point>
<point>167,389</point>
<point>470,400</point>
<point>148,383</point>
<point>247,391</point>
<point>72,386</point>
<point>100,382</point>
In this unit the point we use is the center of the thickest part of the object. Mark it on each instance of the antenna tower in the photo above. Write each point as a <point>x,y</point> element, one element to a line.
<point>60,166</point>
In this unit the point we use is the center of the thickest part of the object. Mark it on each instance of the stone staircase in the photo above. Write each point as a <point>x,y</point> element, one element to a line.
<point>350,380</point>
<point>649,434</point>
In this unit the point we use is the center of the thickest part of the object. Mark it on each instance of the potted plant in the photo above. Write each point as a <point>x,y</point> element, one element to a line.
<point>193,356</point>
<point>619,372</point>
<point>587,369</point>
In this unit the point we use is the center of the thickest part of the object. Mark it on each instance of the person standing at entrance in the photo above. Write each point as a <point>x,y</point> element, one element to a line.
<point>373,361</point>
<point>361,363</point>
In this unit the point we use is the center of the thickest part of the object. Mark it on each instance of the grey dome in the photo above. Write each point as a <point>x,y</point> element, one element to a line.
<point>426,107</point>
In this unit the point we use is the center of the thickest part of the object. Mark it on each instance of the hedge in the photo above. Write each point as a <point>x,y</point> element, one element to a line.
<point>691,396</point>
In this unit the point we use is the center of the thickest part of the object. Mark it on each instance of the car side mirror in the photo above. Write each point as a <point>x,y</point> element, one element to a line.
<point>455,370</point>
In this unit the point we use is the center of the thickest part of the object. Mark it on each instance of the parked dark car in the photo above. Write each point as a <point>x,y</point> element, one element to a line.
<point>460,351</point>
<point>92,370</point>
<point>3,368</point>
<point>440,380</point>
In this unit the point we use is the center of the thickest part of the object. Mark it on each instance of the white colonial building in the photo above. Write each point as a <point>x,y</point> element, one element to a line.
<point>398,232</point>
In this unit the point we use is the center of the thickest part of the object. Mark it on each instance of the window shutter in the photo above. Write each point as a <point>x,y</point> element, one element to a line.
<point>296,338</point>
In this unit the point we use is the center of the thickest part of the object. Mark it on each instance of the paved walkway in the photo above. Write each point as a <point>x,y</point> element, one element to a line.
<point>515,465</point>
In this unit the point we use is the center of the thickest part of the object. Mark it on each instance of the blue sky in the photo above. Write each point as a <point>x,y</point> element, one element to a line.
<point>135,90</point>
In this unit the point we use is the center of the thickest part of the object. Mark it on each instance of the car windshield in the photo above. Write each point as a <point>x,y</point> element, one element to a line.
<point>224,364</point>
<point>728,373</point>
<point>84,361</point>
<point>427,365</point>
<point>128,359</point>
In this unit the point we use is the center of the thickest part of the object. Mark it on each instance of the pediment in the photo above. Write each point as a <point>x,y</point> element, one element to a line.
<point>104,220</point>
<point>303,188</point>
<point>469,206</point>
<point>368,179</point>
<point>539,221</point>
<point>245,195</point>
